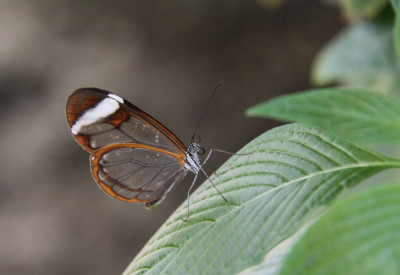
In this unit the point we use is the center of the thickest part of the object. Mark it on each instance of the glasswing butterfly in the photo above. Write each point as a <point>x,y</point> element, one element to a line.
<point>134,157</point>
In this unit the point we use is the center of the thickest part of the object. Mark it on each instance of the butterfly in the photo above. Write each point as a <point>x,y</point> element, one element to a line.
<point>134,158</point>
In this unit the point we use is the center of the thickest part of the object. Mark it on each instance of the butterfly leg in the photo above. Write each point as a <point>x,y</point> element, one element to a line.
<point>204,172</point>
<point>220,151</point>
<point>212,169</point>
<point>188,197</point>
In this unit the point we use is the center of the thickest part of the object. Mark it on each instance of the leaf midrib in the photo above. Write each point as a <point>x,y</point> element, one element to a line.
<point>326,171</point>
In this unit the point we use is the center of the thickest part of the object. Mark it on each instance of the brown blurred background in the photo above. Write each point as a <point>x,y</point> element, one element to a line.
<point>165,57</point>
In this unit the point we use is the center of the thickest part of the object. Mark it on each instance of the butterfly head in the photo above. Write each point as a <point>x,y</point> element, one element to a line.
<point>192,160</point>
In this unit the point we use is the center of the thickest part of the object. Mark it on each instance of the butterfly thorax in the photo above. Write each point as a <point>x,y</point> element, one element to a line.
<point>192,160</point>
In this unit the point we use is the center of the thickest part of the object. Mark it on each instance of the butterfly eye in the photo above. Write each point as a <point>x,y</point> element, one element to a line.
<point>201,151</point>
<point>195,138</point>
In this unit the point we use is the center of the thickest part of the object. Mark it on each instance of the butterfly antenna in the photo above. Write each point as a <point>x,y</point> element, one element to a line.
<point>204,109</point>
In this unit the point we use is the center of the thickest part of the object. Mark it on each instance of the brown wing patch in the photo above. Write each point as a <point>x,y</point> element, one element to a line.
<point>127,124</point>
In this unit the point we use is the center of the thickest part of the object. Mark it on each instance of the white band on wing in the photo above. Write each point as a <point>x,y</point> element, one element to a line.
<point>103,109</point>
<point>117,98</point>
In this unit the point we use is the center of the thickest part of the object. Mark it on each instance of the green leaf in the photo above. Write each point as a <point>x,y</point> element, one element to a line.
<point>358,235</point>
<point>286,173</point>
<point>396,6</point>
<point>353,113</point>
<point>364,8</point>
<point>363,55</point>
<point>273,261</point>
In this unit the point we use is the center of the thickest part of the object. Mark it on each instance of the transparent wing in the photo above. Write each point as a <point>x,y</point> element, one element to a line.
<point>136,172</point>
<point>98,118</point>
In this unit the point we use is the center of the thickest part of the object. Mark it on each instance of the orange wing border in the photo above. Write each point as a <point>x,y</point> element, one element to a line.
<point>95,167</point>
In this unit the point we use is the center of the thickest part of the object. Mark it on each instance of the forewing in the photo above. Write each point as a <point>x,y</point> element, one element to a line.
<point>135,172</point>
<point>98,118</point>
